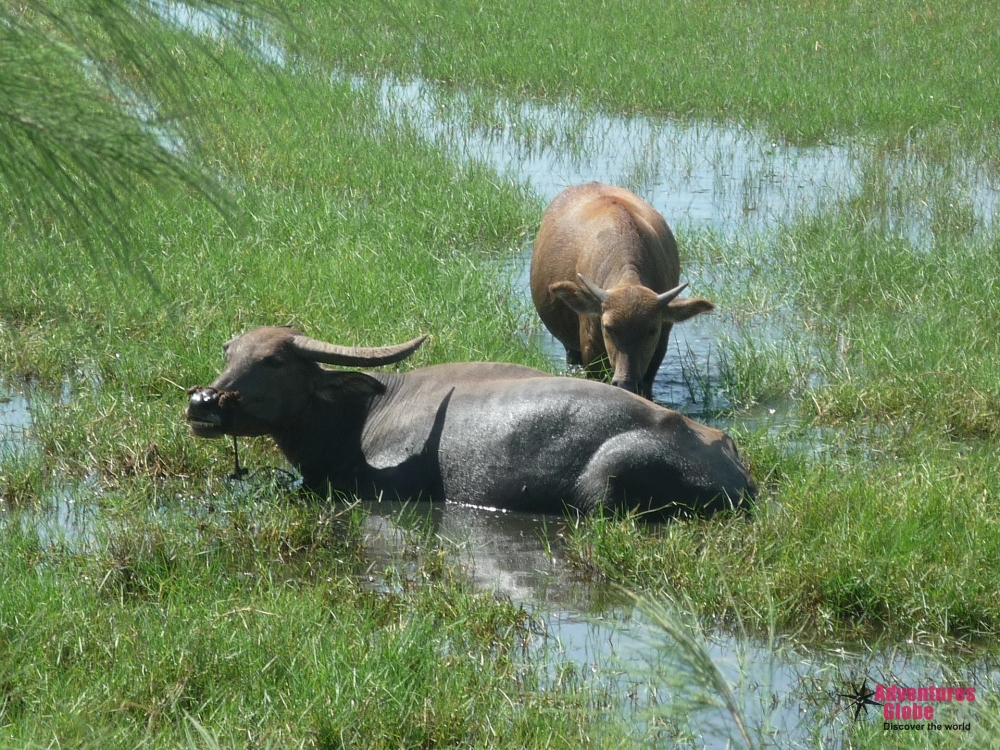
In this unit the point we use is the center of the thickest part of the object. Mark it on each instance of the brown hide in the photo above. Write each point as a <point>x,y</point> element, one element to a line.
<point>604,279</point>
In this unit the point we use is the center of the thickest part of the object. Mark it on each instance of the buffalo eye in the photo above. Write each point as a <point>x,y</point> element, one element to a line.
<point>273,360</point>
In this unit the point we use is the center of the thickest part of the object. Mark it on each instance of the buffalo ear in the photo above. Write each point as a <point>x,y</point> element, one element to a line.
<point>334,386</point>
<point>679,310</point>
<point>579,298</point>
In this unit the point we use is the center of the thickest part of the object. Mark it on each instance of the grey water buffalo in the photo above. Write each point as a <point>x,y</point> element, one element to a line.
<point>488,434</point>
<point>604,279</point>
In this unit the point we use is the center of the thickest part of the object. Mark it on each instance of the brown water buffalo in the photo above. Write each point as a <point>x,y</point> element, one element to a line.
<point>488,434</point>
<point>604,279</point>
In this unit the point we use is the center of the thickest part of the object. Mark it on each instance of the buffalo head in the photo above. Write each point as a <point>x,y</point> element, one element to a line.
<point>273,373</point>
<point>631,319</point>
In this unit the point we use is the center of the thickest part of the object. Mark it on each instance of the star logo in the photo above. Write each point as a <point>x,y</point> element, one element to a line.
<point>860,698</point>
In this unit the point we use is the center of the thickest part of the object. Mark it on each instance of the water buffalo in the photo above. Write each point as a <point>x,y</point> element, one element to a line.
<point>604,279</point>
<point>488,434</point>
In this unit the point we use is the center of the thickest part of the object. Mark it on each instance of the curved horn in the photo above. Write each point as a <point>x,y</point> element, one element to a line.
<point>354,356</point>
<point>601,294</point>
<point>670,295</point>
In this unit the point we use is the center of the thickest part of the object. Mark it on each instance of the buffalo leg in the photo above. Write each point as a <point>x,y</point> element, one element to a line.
<point>646,387</point>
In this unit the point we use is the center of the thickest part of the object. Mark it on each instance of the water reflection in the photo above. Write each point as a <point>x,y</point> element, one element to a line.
<point>720,175</point>
<point>786,691</point>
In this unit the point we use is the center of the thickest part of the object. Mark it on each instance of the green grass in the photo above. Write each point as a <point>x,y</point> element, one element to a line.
<point>192,605</point>
<point>879,475</point>
<point>186,605</point>
<point>253,620</point>
<point>805,70</point>
<point>883,536</point>
<point>361,234</point>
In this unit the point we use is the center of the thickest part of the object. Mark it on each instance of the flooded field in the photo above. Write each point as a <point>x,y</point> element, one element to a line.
<point>737,184</point>
<point>731,179</point>
<point>790,689</point>
<point>722,180</point>
<point>719,181</point>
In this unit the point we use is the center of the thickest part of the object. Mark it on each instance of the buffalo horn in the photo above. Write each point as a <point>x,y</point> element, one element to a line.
<point>670,295</point>
<point>354,356</point>
<point>594,289</point>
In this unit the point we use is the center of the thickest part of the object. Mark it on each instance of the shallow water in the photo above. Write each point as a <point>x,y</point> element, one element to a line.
<point>15,422</point>
<point>723,176</point>
<point>735,182</point>
<point>729,178</point>
<point>62,514</point>
<point>787,691</point>
<point>223,23</point>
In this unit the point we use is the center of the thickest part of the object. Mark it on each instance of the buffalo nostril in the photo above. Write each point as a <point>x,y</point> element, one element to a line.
<point>204,396</point>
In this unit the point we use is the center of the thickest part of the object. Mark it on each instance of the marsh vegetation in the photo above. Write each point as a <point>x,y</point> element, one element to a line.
<point>852,358</point>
